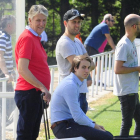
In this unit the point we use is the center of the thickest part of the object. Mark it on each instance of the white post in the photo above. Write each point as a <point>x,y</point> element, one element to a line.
<point>51,90</point>
<point>20,17</point>
<point>93,78</point>
<point>105,71</point>
<point>3,111</point>
<point>20,26</point>
<point>97,74</point>
<point>113,60</point>
<point>109,69</point>
<point>101,78</point>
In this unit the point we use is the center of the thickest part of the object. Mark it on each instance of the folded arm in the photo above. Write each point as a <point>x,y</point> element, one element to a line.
<point>120,69</point>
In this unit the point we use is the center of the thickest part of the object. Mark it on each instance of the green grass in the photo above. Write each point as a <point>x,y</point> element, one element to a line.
<point>107,113</point>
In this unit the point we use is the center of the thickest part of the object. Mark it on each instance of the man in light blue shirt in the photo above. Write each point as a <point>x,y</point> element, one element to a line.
<point>67,118</point>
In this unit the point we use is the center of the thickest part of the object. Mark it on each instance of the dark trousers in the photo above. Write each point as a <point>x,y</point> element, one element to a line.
<point>83,102</point>
<point>70,129</point>
<point>91,50</point>
<point>30,113</point>
<point>130,108</point>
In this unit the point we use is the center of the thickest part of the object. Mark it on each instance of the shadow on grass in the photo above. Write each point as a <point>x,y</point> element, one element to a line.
<point>106,109</point>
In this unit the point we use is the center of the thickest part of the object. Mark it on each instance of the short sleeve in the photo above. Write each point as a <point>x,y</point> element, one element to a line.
<point>25,48</point>
<point>66,49</point>
<point>105,29</point>
<point>121,52</point>
<point>2,44</point>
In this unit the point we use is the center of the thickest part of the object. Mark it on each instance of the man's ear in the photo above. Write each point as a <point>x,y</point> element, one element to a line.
<point>75,69</point>
<point>106,21</point>
<point>65,23</point>
<point>29,20</point>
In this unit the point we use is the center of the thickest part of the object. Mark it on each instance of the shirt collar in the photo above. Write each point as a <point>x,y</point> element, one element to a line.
<point>76,79</point>
<point>6,33</point>
<point>32,31</point>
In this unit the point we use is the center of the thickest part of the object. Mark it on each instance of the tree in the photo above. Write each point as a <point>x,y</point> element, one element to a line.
<point>94,11</point>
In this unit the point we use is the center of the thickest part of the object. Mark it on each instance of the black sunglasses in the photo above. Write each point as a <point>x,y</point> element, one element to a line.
<point>112,20</point>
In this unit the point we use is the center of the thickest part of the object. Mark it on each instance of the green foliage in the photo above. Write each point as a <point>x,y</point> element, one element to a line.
<point>7,7</point>
<point>94,11</point>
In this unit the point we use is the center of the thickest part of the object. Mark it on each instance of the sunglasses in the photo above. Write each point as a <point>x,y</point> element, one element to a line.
<point>112,20</point>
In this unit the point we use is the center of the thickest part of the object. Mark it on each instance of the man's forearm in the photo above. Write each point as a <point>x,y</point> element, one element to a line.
<point>111,42</point>
<point>125,70</point>
<point>3,66</point>
<point>30,78</point>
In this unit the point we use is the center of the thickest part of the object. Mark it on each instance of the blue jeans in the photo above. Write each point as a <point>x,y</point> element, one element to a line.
<point>83,102</point>
<point>130,108</point>
<point>70,129</point>
<point>30,113</point>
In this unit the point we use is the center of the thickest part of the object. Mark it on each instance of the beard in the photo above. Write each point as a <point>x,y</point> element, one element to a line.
<point>74,33</point>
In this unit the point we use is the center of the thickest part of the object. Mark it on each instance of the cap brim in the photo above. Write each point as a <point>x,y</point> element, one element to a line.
<point>76,17</point>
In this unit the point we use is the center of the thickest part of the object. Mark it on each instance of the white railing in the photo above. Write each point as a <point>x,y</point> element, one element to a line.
<point>105,68</point>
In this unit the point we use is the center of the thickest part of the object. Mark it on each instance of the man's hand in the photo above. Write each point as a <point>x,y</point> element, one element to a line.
<point>13,74</point>
<point>10,78</point>
<point>47,96</point>
<point>99,127</point>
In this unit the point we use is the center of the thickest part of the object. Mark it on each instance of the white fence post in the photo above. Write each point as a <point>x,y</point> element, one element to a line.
<point>3,111</point>
<point>105,76</point>
<point>101,77</point>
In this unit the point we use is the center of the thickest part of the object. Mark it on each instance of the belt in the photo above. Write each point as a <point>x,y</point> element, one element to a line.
<point>56,123</point>
<point>131,94</point>
<point>83,93</point>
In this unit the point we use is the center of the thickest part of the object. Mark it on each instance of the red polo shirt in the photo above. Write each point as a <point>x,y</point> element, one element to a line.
<point>29,46</point>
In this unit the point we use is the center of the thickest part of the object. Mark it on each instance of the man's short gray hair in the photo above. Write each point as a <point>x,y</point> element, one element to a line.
<point>37,9</point>
<point>6,19</point>
<point>107,17</point>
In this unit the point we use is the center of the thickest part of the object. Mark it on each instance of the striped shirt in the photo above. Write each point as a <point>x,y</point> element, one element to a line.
<point>6,47</point>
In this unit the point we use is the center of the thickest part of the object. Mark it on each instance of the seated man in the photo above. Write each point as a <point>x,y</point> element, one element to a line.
<point>67,118</point>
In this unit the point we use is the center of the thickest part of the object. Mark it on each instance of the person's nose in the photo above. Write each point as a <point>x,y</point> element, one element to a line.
<point>87,70</point>
<point>42,23</point>
<point>77,24</point>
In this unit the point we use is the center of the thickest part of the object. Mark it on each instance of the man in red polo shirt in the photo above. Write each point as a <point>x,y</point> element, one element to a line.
<point>34,75</point>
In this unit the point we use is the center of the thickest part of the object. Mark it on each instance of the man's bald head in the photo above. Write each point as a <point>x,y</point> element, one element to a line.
<point>131,19</point>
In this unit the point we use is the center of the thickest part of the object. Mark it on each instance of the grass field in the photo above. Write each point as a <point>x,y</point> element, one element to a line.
<point>106,113</point>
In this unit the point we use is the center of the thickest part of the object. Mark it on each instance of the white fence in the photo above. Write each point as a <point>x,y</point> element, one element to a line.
<point>105,68</point>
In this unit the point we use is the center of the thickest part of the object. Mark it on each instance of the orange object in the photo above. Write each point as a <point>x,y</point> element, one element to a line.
<point>79,37</point>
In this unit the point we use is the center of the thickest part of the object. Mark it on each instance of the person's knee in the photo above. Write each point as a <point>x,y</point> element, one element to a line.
<point>109,136</point>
